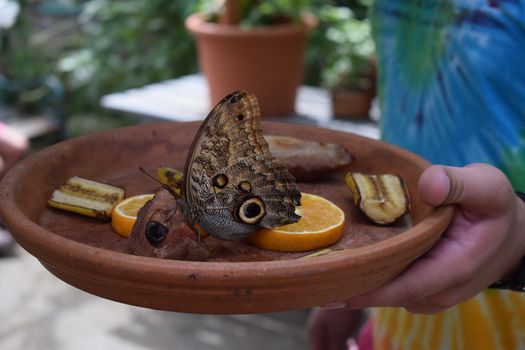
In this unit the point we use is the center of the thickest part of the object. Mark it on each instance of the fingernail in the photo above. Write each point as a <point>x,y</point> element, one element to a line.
<point>455,189</point>
<point>334,305</point>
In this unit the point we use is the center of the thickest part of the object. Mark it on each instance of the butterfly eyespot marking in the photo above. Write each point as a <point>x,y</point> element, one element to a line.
<point>220,181</point>
<point>155,232</point>
<point>245,186</point>
<point>252,210</point>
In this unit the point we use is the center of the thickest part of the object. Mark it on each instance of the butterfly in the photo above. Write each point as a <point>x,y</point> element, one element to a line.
<point>232,183</point>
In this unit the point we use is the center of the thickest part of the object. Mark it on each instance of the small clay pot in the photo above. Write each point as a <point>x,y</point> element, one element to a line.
<point>266,61</point>
<point>352,104</point>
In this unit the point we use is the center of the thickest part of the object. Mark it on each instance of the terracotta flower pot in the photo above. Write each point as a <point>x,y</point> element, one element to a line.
<point>266,61</point>
<point>353,104</point>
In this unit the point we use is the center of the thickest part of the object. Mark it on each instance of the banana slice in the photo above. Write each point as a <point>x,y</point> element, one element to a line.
<point>87,197</point>
<point>382,198</point>
<point>171,178</point>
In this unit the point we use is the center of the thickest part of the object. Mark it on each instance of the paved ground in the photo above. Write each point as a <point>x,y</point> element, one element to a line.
<point>38,311</point>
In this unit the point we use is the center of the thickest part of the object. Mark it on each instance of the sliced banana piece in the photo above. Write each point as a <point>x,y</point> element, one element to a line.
<point>382,198</point>
<point>171,178</point>
<point>87,197</point>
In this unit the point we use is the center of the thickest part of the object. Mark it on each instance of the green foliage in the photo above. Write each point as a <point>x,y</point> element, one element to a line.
<point>358,7</point>
<point>128,44</point>
<point>19,58</point>
<point>257,13</point>
<point>341,50</point>
<point>27,84</point>
<point>276,11</point>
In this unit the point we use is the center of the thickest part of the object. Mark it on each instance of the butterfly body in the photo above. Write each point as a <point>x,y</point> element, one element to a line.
<point>232,184</point>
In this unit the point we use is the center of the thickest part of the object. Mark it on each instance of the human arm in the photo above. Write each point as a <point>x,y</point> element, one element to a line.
<point>331,329</point>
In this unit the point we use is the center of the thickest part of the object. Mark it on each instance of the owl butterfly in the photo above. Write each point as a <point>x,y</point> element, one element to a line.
<point>232,183</point>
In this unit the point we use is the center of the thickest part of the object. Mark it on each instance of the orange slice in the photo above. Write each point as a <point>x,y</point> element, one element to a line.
<point>321,225</point>
<point>125,213</point>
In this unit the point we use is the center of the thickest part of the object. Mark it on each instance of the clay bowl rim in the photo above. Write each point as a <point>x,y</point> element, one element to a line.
<point>197,24</point>
<point>36,239</point>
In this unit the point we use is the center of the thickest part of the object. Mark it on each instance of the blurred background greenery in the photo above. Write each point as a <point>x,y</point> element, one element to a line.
<point>72,52</point>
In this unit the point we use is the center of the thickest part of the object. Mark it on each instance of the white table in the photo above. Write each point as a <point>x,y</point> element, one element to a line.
<point>187,99</point>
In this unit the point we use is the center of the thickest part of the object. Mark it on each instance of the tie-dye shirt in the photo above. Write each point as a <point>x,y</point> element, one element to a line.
<point>452,89</point>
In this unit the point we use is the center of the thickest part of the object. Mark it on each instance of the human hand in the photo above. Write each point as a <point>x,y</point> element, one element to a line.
<point>483,243</point>
<point>331,329</point>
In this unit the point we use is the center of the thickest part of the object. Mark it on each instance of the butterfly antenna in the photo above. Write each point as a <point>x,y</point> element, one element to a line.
<point>149,175</point>
<point>170,190</point>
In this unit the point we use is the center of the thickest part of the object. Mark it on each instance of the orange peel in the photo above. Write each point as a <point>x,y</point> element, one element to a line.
<point>125,213</point>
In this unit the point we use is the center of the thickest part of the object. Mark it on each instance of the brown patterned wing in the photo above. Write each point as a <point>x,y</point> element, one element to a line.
<point>233,185</point>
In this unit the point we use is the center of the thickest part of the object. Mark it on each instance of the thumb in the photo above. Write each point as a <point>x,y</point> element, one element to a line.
<point>480,188</point>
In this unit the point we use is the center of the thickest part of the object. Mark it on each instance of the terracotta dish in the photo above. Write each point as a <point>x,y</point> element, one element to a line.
<point>86,253</point>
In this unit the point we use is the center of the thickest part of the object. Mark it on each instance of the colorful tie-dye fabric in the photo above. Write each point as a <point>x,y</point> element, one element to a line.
<point>452,89</point>
<point>452,80</point>
<point>492,320</point>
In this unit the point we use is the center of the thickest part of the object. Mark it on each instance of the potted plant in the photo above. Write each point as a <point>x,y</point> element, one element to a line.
<point>349,65</point>
<point>256,46</point>
<point>29,94</point>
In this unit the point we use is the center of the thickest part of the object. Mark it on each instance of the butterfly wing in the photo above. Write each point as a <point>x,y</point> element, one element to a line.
<point>233,185</point>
